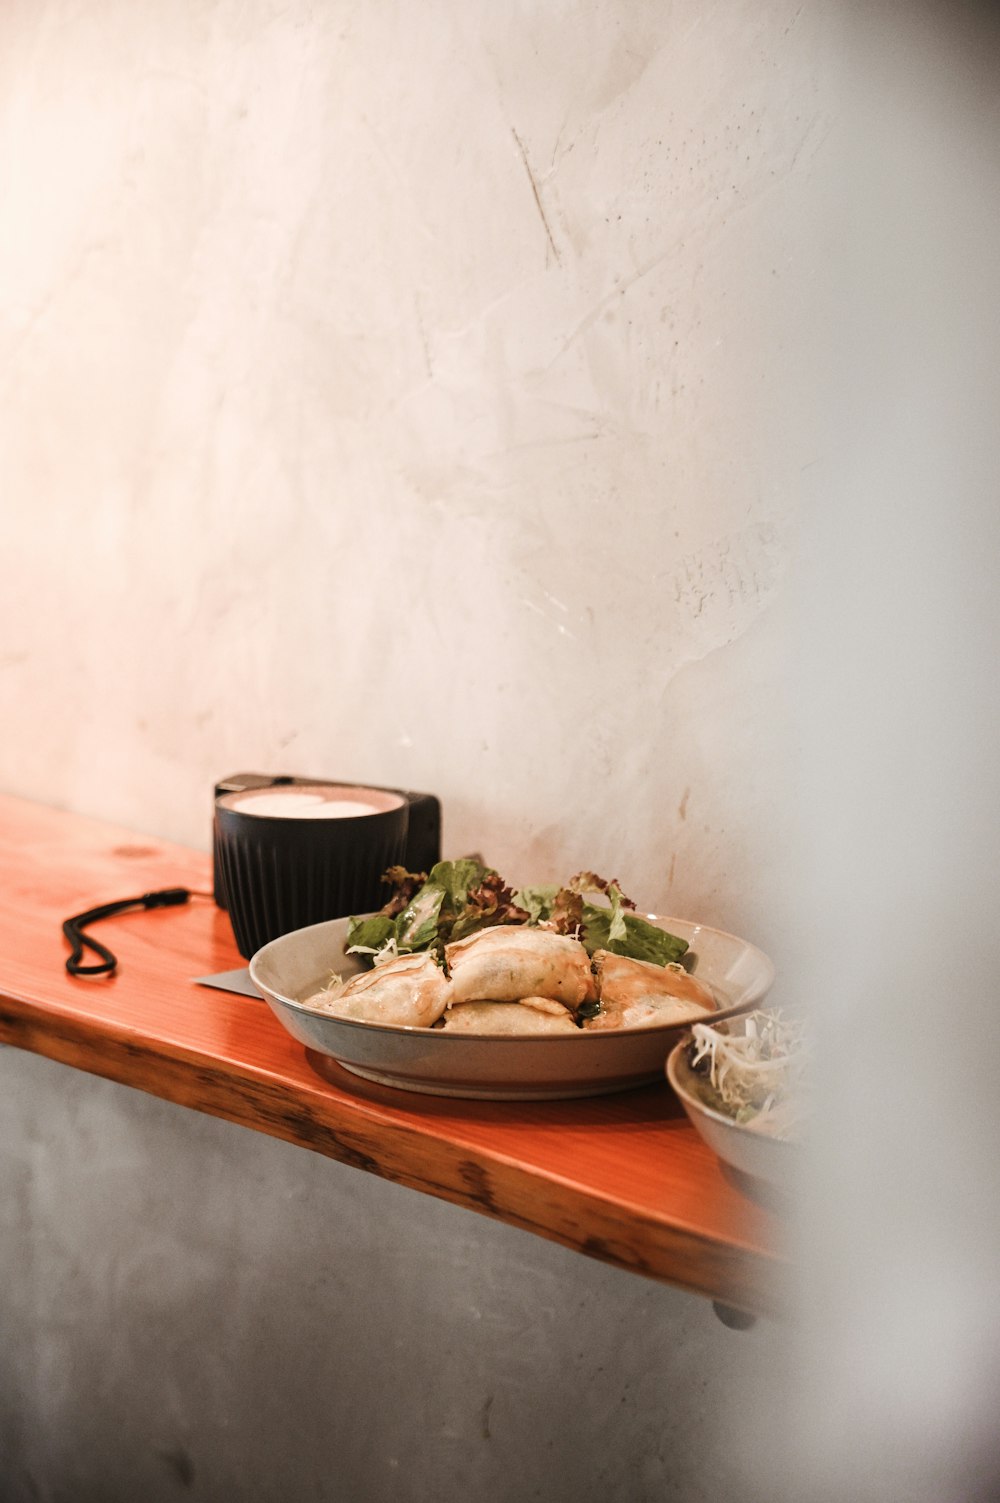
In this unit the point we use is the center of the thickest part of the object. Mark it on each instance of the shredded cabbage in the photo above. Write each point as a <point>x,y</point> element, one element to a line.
<point>755,1077</point>
<point>379,953</point>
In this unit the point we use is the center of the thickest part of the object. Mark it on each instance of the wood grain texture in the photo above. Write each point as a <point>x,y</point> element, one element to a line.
<point>621,1178</point>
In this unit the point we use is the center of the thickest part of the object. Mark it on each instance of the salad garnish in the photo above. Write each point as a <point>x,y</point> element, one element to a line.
<point>756,1077</point>
<point>427,911</point>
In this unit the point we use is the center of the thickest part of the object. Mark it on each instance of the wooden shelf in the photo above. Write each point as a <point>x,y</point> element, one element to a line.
<point>621,1178</point>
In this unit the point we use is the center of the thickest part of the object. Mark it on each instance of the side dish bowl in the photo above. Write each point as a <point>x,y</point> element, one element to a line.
<point>759,1155</point>
<point>295,966</point>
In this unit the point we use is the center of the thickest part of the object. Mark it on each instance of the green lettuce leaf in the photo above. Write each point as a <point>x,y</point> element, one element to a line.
<point>456,879</point>
<point>459,897</point>
<point>417,926</point>
<point>430,915</point>
<point>370,933</point>
<point>627,934</point>
<point>537,901</point>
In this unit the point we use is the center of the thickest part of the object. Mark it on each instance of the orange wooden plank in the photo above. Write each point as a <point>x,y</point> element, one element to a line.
<point>623,1178</point>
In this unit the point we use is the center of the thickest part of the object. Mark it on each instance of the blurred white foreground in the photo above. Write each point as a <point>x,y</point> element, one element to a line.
<point>895,1385</point>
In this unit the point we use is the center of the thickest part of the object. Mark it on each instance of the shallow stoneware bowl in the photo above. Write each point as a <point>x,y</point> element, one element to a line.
<point>437,1063</point>
<point>757,1154</point>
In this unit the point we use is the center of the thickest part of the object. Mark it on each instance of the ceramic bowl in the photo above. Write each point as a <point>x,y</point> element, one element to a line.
<point>293,967</point>
<point>756,1154</point>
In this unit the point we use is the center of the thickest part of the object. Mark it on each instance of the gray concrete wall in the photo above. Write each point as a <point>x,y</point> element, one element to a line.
<point>192,1310</point>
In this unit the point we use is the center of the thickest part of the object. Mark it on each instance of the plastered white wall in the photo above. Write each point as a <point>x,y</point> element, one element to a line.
<point>401,393</point>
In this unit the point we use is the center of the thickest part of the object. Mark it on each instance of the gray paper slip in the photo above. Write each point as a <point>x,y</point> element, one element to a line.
<point>232,981</point>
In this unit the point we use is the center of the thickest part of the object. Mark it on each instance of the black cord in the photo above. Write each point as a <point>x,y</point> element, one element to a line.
<point>73,928</point>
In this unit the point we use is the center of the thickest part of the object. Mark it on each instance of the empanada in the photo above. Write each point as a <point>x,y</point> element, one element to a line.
<point>509,961</point>
<point>409,990</point>
<point>513,1018</point>
<point>637,993</point>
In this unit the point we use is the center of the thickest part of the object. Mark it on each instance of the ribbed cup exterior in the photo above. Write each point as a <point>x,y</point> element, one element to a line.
<point>282,874</point>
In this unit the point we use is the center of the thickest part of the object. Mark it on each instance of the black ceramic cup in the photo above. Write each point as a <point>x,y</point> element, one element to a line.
<point>300,854</point>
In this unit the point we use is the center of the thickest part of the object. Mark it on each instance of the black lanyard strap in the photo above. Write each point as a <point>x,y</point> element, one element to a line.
<point>73,928</point>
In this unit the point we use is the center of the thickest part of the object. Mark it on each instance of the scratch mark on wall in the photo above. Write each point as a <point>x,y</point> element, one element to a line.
<point>560,626</point>
<point>537,195</point>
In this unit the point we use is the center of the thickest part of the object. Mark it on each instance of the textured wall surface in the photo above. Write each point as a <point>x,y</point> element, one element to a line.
<point>397,393</point>
<point>405,393</point>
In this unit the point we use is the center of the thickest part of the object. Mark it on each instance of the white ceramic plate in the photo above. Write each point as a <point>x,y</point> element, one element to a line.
<point>756,1154</point>
<point>437,1063</point>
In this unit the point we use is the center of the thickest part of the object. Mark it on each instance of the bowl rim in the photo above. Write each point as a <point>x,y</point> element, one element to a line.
<point>595,1035</point>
